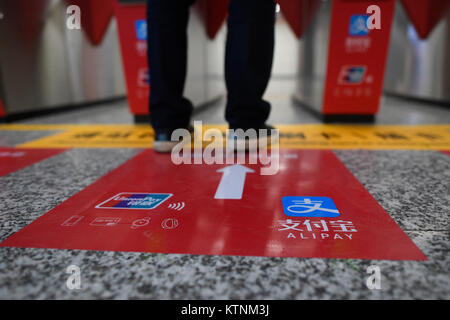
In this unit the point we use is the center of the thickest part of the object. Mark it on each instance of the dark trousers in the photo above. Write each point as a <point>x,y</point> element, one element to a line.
<point>248,62</point>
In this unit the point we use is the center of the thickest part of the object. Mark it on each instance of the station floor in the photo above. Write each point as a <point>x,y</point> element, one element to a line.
<point>411,185</point>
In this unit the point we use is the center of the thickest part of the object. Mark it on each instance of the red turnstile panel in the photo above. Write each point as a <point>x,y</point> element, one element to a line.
<point>313,207</point>
<point>425,14</point>
<point>216,12</point>
<point>95,17</point>
<point>299,14</point>
<point>2,110</point>
<point>28,17</point>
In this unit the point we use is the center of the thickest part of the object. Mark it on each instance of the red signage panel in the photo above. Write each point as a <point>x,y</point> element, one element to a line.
<point>313,207</point>
<point>132,25</point>
<point>356,57</point>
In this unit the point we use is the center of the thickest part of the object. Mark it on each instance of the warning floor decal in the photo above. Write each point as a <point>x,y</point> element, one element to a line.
<point>312,207</point>
<point>37,127</point>
<point>13,159</point>
<point>312,136</point>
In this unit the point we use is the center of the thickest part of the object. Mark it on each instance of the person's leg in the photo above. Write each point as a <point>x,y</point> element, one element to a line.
<point>248,61</point>
<point>167,45</point>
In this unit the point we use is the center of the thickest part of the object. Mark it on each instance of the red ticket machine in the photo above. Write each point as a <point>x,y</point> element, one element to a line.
<point>344,58</point>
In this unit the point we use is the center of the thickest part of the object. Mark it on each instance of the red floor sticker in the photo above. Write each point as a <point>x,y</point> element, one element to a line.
<point>313,207</point>
<point>12,159</point>
<point>446,152</point>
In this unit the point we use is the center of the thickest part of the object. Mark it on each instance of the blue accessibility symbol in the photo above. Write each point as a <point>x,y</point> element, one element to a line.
<point>322,207</point>
<point>358,25</point>
<point>141,29</point>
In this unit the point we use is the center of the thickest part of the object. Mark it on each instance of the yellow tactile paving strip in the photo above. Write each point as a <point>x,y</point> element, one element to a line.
<point>308,136</point>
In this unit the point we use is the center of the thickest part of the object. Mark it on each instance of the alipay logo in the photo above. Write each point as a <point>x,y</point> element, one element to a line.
<point>310,207</point>
<point>141,29</point>
<point>358,25</point>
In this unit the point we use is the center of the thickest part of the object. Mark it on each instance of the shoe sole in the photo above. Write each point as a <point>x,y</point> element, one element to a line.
<point>164,146</point>
<point>249,142</point>
<point>167,146</point>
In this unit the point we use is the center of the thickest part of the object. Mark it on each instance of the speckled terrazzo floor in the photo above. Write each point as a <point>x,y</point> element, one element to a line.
<point>412,186</point>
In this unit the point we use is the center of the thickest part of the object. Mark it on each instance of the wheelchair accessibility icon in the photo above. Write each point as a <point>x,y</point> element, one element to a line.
<point>310,207</point>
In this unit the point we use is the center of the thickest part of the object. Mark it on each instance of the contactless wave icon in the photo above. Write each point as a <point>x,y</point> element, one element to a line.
<point>176,206</point>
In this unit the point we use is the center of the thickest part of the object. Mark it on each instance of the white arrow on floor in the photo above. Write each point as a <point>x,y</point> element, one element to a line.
<point>231,185</point>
